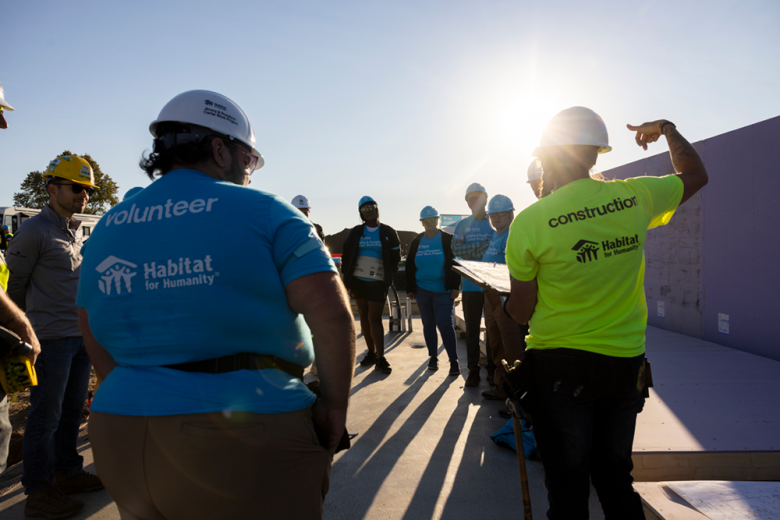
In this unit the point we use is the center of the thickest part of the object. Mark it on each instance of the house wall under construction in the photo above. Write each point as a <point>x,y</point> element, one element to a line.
<point>714,271</point>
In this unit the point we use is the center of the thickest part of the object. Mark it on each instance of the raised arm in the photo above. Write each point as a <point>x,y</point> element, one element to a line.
<point>685,159</point>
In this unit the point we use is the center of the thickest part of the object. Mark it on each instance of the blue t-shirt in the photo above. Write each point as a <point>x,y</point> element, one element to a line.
<point>472,231</point>
<point>497,250</point>
<point>429,264</point>
<point>159,290</point>
<point>370,245</point>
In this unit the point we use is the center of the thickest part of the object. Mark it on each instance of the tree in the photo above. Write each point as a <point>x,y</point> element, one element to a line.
<point>33,192</point>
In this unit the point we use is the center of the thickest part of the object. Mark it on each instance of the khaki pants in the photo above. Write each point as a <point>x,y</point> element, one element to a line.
<point>209,466</point>
<point>505,339</point>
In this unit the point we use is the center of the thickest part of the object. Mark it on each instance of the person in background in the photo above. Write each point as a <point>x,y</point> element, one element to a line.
<point>12,318</point>
<point>586,306</point>
<point>45,262</point>
<point>3,107</point>
<point>432,282</point>
<point>5,238</point>
<point>203,413</point>
<point>507,341</point>
<point>535,178</point>
<point>302,203</point>
<point>470,241</point>
<point>369,261</point>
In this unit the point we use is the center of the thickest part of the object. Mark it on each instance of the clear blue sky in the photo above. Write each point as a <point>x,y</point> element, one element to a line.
<point>406,101</point>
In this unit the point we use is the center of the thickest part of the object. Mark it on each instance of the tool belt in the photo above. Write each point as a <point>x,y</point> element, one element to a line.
<point>240,361</point>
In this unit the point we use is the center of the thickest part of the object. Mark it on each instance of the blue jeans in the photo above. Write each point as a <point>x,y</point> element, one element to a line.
<point>584,409</point>
<point>436,311</point>
<point>56,404</point>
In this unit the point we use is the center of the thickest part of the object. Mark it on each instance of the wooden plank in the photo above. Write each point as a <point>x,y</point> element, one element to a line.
<point>661,503</point>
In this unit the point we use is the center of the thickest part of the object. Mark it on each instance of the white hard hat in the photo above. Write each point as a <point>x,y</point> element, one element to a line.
<point>575,126</point>
<point>213,111</point>
<point>534,170</point>
<point>475,186</point>
<point>301,202</point>
<point>3,103</point>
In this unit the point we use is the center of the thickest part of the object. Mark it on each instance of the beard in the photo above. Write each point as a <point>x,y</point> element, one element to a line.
<point>237,173</point>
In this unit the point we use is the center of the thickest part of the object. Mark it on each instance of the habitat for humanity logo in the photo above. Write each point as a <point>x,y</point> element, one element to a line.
<point>586,251</point>
<point>179,273</point>
<point>115,271</point>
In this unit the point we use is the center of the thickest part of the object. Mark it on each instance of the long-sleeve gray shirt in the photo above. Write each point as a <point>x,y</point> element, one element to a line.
<point>45,263</point>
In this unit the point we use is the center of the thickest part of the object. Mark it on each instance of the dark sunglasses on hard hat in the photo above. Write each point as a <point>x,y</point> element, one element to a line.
<point>368,208</point>
<point>77,188</point>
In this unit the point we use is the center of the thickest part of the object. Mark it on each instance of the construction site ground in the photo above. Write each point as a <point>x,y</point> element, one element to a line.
<point>423,448</point>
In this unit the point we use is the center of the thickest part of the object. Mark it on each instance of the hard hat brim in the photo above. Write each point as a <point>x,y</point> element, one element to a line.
<point>539,149</point>
<point>87,184</point>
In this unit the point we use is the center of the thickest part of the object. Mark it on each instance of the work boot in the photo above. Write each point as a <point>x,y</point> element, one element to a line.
<point>490,396</point>
<point>454,368</point>
<point>473,378</point>
<point>368,360</point>
<point>81,482</point>
<point>50,502</point>
<point>491,374</point>
<point>433,364</point>
<point>383,366</point>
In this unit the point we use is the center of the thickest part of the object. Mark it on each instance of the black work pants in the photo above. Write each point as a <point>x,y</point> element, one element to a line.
<point>584,409</point>
<point>473,303</point>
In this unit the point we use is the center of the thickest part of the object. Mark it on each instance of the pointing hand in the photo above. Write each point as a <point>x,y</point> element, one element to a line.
<point>647,133</point>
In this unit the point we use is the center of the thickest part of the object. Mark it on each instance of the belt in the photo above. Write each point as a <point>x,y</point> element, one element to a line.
<point>240,361</point>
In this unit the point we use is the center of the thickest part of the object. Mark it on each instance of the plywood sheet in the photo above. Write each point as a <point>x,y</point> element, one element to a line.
<point>488,275</point>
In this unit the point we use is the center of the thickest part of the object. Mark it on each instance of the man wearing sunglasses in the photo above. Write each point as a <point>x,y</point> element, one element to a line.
<point>45,263</point>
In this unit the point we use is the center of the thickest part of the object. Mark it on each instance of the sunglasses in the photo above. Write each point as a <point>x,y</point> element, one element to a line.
<point>368,209</point>
<point>252,158</point>
<point>77,188</point>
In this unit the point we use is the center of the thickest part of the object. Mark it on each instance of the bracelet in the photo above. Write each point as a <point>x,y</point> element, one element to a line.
<point>666,123</point>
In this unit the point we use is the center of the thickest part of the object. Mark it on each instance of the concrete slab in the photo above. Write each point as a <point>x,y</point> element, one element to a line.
<point>424,449</point>
<point>99,505</point>
<point>714,413</point>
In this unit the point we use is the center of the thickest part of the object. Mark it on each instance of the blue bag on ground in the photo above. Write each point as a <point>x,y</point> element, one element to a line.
<point>506,437</point>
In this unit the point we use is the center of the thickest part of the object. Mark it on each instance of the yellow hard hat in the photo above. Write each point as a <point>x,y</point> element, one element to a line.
<point>72,168</point>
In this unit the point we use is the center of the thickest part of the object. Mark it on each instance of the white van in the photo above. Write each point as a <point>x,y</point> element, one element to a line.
<point>13,216</point>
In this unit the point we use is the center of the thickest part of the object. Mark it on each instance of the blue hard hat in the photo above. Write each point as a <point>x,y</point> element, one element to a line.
<point>475,186</point>
<point>428,212</point>
<point>132,191</point>
<point>365,199</point>
<point>5,227</point>
<point>500,203</point>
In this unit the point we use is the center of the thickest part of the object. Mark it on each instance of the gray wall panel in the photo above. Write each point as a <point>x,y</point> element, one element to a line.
<point>720,252</point>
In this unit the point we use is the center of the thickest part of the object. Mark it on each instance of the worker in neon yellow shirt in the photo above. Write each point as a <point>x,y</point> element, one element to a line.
<point>577,272</point>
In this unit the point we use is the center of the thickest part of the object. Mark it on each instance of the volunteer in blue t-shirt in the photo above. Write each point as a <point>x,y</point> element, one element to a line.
<point>369,261</point>
<point>470,241</point>
<point>432,282</point>
<point>507,340</point>
<point>202,412</point>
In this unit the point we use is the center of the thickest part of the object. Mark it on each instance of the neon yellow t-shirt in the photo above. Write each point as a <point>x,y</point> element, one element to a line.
<point>584,244</point>
<point>4,273</point>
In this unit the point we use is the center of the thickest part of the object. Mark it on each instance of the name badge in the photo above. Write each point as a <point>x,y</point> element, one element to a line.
<point>370,267</point>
